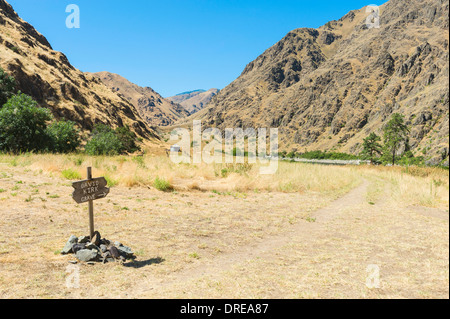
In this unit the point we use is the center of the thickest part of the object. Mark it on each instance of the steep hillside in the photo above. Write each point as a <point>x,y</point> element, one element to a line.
<point>328,88</point>
<point>194,101</point>
<point>54,83</point>
<point>152,107</point>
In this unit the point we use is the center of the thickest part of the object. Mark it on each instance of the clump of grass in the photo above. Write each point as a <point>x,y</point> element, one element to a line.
<point>162,185</point>
<point>71,174</point>
<point>111,182</point>
<point>140,161</point>
<point>3,175</point>
<point>238,168</point>
<point>13,162</point>
<point>194,255</point>
<point>78,161</point>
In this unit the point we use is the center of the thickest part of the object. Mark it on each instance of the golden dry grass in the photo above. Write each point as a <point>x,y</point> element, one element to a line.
<point>421,186</point>
<point>411,186</point>
<point>240,236</point>
<point>143,170</point>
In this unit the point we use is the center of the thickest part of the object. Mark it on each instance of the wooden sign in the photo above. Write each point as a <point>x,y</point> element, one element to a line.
<point>88,191</point>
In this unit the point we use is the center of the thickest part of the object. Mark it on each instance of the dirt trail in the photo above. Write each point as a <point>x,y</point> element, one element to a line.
<point>207,245</point>
<point>303,230</point>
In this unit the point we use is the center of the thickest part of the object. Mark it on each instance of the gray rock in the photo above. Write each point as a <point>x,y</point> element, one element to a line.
<point>92,246</point>
<point>73,262</point>
<point>114,252</point>
<point>96,238</point>
<point>433,162</point>
<point>78,247</point>
<point>125,251</point>
<point>84,239</point>
<point>103,248</point>
<point>117,244</point>
<point>87,255</point>
<point>68,247</point>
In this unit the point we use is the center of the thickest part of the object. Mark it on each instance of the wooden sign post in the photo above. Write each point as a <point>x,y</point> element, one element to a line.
<point>89,190</point>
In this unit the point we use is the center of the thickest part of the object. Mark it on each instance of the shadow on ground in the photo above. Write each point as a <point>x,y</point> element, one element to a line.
<point>143,263</point>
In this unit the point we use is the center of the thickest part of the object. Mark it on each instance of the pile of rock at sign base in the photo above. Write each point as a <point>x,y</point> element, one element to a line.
<point>97,249</point>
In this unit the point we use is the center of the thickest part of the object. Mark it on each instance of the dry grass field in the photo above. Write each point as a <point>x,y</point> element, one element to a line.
<point>216,231</point>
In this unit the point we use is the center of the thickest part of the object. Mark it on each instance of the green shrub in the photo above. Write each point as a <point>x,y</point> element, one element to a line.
<point>408,159</point>
<point>64,137</point>
<point>106,141</point>
<point>23,125</point>
<point>128,139</point>
<point>327,155</point>
<point>162,184</point>
<point>7,87</point>
<point>71,174</point>
<point>103,142</point>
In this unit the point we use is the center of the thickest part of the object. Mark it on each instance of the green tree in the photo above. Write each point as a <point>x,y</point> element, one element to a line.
<point>106,141</point>
<point>64,137</point>
<point>23,125</point>
<point>104,144</point>
<point>128,139</point>
<point>101,129</point>
<point>372,147</point>
<point>395,136</point>
<point>7,87</point>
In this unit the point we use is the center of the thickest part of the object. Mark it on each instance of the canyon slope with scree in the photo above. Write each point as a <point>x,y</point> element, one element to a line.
<point>153,108</point>
<point>53,82</point>
<point>328,88</point>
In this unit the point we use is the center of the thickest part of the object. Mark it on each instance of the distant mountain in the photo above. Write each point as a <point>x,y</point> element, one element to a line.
<point>191,92</point>
<point>152,107</point>
<point>328,88</point>
<point>194,101</point>
<point>54,83</point>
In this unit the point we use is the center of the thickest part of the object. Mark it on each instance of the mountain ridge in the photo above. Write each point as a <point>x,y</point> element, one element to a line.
<point>152,107</point>
<point>190,92</point>
<point>328,88</point>
<point>48,77</point>
<point>194,101</point>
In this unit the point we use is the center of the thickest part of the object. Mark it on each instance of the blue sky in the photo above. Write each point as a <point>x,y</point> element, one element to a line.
<point>175,45</point>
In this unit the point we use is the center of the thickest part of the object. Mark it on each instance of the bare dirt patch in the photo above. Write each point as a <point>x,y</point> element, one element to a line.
<point>222,244</point>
